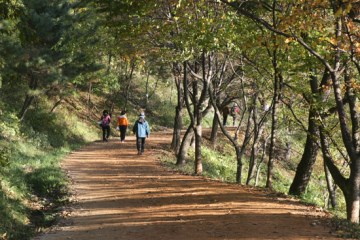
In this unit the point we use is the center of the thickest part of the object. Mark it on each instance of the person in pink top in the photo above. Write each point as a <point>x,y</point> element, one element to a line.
<point>105,125</point>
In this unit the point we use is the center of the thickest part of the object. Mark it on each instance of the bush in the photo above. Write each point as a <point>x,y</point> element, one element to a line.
<point>32,183</point>
<point>48,182</point>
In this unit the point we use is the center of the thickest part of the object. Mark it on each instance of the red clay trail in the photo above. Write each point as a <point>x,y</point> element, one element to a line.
<point>121,195</point>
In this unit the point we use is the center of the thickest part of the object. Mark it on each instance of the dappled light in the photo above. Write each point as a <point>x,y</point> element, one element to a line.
<point>120,195</point>
<point>261,97</point>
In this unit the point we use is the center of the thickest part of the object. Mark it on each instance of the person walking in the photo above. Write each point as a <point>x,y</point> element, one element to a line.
<point>142,130</point>
<point>122,123</point>
<point>225,112</point>
<point>234,113</point>
<point>105,125</point>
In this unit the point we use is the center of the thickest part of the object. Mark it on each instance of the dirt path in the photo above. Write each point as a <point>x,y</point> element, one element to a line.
<point>125,196</point>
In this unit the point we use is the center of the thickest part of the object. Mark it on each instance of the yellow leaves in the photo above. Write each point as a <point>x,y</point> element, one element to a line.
<point>353,85</point>
<point>350,25</point>
<point>357,48</point>
<point>343,11</point>
<point>333,41</point>
<point>348,8</point>
<point>289,40</point>
<point>326,88</point>
<point>3,236</point>
<point>339,12</point>
<point>179,4</point>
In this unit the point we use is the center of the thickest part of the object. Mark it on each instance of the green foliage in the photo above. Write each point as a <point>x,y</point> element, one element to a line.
<point>123,50</point>
<point>282,181</point>
<point>219,166</point>
<point>30,171</point>
<point>216,165</point>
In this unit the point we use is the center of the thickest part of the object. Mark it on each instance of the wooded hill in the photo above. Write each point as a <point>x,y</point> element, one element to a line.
<point>291,68</point>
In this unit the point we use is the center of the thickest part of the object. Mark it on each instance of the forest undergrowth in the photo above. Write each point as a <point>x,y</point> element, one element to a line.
<point>33,187</point>
<point>219,164</point>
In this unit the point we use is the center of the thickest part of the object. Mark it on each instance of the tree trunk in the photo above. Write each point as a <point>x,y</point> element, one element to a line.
<point>184,147</point>
<point>351,143</point>
<point>198,143</point>
<point>175,143</point>
<point>257,134</point>
<point>274,122</point>
<point>304,169</point>
<point>349,187</point>
<point>56,105</point>
<point>214,130</point>
<point>245,142</point>
<point>352,200</point>
<point>331,188</point>
<point>128,83</point>
<point>176,140</point>
<point>26,105</point>
<point>29,98</point>
<point>197,126</point>
<point>262,159</point>
<point>147,90</point>
<point>239,165</point>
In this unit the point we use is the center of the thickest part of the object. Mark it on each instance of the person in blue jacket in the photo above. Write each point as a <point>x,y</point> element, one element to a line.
<point>142,130</point>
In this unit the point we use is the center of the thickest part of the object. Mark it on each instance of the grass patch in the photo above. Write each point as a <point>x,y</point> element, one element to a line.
<point>220,164</point>
<point>215,165</point>
<point>33,186</point>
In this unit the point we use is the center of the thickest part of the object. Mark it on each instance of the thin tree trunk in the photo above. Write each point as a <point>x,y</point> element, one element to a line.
<point>26,105</point>
<point>234,142</point>
<point>274,122</point>
<point>184,147</point>
<point>214,130</point>
<point>147,90</point>
<point>128,83</point>
<point>245,142</point>
<point>186,142</point>
<point>176,140</point>
<point>198,143</point>
<point>198,102</point>
<point>331,188</point>
<point>197,125</point>
<point>56,105</point>
<point>28,98</point>
<point>262,159</point>
<point>252,160</point>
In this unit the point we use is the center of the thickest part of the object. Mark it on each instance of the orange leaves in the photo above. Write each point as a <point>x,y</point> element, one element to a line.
<point>289,40</point>
<point>326,88</point>
<point>353,85</point>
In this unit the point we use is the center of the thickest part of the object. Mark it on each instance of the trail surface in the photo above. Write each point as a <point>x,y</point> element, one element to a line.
<point>125,196</point>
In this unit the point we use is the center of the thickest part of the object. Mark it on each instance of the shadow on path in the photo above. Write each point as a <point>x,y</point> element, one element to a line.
<point>125,196</point>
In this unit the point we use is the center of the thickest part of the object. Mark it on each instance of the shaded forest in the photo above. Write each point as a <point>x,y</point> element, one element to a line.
<point>291,69</point>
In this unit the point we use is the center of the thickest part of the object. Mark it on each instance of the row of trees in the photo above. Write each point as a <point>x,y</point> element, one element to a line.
<point>300,59</point>
<point>292,68</point>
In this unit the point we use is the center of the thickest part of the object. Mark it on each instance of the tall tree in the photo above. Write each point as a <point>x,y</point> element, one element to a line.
<point>330,53</point>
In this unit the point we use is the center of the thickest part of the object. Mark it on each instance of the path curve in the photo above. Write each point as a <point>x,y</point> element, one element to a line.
<point>125,196</point>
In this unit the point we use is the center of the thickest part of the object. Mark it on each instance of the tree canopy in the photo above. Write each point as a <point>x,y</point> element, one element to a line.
<point>292,69</point>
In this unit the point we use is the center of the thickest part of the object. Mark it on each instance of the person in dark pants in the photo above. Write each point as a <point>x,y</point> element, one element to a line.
<point>105,125</point>
<point>225,112</point>
<point>142,130</point>
<point>122,123</point>
<point>234,113</point>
